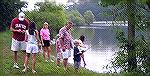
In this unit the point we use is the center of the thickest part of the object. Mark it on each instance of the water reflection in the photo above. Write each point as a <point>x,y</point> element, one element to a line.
<point>101,45</point>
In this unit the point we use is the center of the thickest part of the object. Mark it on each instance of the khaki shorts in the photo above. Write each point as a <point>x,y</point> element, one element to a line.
<point>18,45</point>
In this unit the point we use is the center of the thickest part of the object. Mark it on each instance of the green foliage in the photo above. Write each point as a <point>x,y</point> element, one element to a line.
<point>50,12</point>
<point>76,17</point>
<point>95,1</point>
<point>8,10</point>
<point>89,17</point>
<point>110,2</point>
<point>136,46</point>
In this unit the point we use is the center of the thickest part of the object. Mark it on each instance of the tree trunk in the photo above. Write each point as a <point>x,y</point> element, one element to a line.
<point>132,62</point>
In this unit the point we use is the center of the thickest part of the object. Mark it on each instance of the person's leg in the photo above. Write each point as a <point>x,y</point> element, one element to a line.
<point>15,48</point>
<point>26,62</point>
<point>24,55</point>
<point>34,52</point>
<point>44,52</point>
<point>58,58</point>
<point>48,52</point>
<point>15,57</point>
<point>58,62</point>
<point>33,62</point>
<point>23,46</point>
<point>76,66</point>
<point>82,56</point>
<point>65,62</point>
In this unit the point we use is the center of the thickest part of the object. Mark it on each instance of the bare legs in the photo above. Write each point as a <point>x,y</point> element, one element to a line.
<point>58,58</point>
<point>33,62</point>
<point>82,56</point>
<point>27,61</point>
<point>58,62</point>
<point>48,52</point>
<point>65,62</point>
<point>24,56</point>
<point>44,53</point>
<point>15,57</point>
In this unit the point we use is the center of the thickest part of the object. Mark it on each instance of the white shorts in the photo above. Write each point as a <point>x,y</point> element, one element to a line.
<point>32,48</point>
<point>66,54</point>
<point>69,52</point>
<point>18,45</point>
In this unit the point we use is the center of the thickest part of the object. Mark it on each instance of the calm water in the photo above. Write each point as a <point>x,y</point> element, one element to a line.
<point>101,45</point>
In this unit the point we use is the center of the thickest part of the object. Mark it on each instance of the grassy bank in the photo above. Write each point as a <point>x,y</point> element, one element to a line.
<point>43,68</point>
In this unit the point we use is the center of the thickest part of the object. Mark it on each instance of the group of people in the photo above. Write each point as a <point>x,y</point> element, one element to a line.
<point>26,38</point>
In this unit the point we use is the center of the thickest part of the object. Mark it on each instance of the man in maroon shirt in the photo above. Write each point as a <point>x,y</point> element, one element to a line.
<point>18,27</point>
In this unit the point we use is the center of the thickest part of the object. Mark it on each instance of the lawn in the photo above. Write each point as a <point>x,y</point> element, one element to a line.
<point>43,68</point>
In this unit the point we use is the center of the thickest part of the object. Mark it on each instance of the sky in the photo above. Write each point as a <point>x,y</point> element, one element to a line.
<point>32,2</point>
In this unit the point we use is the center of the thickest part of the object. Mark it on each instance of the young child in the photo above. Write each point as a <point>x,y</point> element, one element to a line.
<point>82,47</point>
<point>32,46</point>
<point>58,51</point>
<point>65,57</point>
<point>77,58</point>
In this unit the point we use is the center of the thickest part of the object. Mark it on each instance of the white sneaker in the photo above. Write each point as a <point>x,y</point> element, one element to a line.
<point>46,60</point>
<point>16,66</point>
<point>24,66</point>
<point>24,70</point>
<point>33,71</point>
<point>58,66</point>
<point>52,61</point>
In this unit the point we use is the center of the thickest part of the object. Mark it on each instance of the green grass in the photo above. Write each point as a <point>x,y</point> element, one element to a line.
<point>43,68</point>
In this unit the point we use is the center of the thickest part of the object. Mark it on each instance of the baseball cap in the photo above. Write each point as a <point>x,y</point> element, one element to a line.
<point>21,16</point>
<point>45,23</point>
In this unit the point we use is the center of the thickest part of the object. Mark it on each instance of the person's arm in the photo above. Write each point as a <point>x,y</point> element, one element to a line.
<point>62,43</point>
<point>41,33</point>
<point>61,38</point>
<point>12,27</point>
<point>37,36</point>
<point>26,35</point>
<point>42,41</point>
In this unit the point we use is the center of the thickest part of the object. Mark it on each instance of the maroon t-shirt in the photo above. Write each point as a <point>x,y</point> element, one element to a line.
<point>22,25</point>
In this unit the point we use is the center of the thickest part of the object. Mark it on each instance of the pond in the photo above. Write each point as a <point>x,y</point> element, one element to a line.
<point>101,46</point>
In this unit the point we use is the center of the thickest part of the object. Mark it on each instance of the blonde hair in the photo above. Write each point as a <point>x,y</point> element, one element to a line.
<point>45,23</point>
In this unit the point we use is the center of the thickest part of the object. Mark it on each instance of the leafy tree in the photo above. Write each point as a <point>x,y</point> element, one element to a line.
<point>84,1</point>
<point>8,10</point>
<point>76,17</point>
<point>89,17</point>
<point>50,12</point>
<point>136,14</point>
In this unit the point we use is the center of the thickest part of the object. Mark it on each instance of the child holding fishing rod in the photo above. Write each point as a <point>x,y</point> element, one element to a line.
<point>82,47</point>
